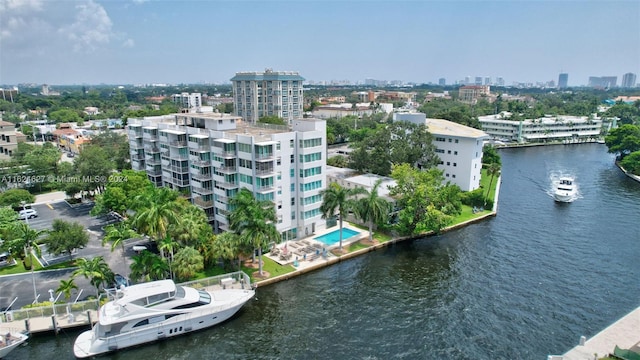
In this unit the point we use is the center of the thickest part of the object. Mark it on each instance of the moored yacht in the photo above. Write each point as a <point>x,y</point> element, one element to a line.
<point>565,189</point>
<point>9,340</point>
<point>157,310</point>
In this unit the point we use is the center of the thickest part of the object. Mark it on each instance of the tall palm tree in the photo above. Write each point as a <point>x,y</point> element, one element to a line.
<point>96,270</point>
<point>493,169</point>
<point>168,245</point>
<point>117,234</point>
<point>254,221</point>
<point>66,286</point>
<point>336,198</point>
<point>156,210</point>
<point>148,266</point>
<point>372,208</point>
<point>225,246</point>
<point>188,263</point>
<point>26,237</point>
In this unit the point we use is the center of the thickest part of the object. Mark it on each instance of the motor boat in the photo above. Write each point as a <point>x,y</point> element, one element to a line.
<point>9,340</point>
<point>156,310</point>
<point>565,190</point>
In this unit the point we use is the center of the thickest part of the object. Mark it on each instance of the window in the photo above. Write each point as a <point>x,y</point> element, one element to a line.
<point>440,139</point>
<point>311,186</point>
<point>455,164</point>
<point>447,175</point>
<point>291,143</point>
<point>453,176</point>
<point>448,163</point>
<point>449,140</point>
<point>293,201</point>
<point>278,146</point>
<point>455,153</point>
<point>293,159</point>
<point>310,172</point>
<point>310,143</point>
<point>440,151</point>
<point>244,147</point>
<point>456,141</point>
<point>448,151</point>
<point>246,179</point>
<point>310,157</point>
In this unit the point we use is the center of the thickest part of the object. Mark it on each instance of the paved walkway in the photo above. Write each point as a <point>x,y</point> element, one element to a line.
<point>51,197</point>
<point>625,333</point>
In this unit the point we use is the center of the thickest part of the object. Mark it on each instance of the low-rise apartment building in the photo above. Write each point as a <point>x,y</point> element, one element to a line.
<point>547,128</point>
<point>459,148</point>
<point>9,139</point>
<point>209,157</point>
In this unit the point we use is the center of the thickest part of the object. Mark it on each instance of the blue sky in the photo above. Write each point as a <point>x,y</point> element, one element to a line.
<point>147,41</point>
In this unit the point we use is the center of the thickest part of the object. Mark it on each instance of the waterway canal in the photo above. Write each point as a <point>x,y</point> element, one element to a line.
<point>522,285</point>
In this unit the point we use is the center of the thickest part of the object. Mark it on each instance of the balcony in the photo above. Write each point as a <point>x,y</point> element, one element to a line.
<point>154,171</point>
<point>227,169</point>
<point>202,203</point>
<point>265,188</point>
<point>150,149</point>
<point>264,157</point>
<point>200,162</point>
<point>137,157</point>
<point>265,172</point>
<point>178,143</point>
<point>222,199</point>
<point>226,154</point>
<point>179,169</point>
<point>199,147</point>
<point>135,134</point>
<point>153,161</point>
<point>148,136</point>
<point>177,156</point>
<point>135,145</point>
<point>226,185</point>
<point>201,190</point>
<point>222,221</point>
<point>179,182</point>
<point>201,177</point>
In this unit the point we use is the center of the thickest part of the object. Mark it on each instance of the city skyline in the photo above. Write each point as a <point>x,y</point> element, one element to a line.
<point>145,42</point>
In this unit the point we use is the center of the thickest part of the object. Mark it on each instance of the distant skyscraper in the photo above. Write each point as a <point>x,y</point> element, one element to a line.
<point>499,81</point>
<point>442,81</point>
<point>478,80</point>
<point>629,80</point>
<point>467,80</point>
<point>487,80</point>
<point>603,82</point>
<point>563,81</point>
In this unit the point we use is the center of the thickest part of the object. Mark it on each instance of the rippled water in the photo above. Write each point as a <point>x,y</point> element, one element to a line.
<point>522,285</point>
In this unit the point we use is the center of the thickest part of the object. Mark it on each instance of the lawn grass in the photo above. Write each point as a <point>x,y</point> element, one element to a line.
<point>209,272</point>
<point>357,246</point>
<point>270,266</point>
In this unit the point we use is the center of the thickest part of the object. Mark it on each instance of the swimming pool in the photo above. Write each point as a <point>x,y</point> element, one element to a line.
<point>334,236</point>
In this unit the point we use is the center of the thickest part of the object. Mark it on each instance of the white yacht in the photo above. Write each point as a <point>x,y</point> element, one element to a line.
<point>565,190</point>
<point>9,340</point>
<point>157,310</point>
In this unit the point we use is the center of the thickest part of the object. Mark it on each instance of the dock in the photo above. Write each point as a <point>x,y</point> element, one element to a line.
<point>624,333</point>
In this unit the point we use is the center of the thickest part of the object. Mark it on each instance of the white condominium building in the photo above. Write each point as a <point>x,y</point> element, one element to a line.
<point>188,102</point>
<point>459,148</point>
<point>268,93</point>
<point>549,127</point>
<point>211,156</point>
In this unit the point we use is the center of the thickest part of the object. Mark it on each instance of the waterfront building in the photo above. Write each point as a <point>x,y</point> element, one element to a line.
<point>563,80</point>
<point>459,148</point>
<point>547,128</point>
<point>209,157</point>
<point>629,80</point>
<point>9,139</point>
<point>268,93</point>
<point>188,102</point>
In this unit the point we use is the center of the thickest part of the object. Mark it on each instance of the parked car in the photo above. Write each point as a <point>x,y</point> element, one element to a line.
<point>27,214</point>
<point>119,280</point>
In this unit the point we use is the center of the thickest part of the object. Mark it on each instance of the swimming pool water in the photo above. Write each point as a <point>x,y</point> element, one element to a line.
<point>334,236</point>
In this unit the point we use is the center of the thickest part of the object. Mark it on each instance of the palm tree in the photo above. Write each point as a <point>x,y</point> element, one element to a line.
<point>155,211</point>
<point>117,235</point>
<point>169,245</point>
<point>188,263</point>
<point>335,197</point>
<point>254,221</point>
<point>148,266</point>
<point>372,208</point>
<point>96,270</point>
<point>26,238</point>
<point>225,246</point>
<point>493,169</point>
<point>66,286</point>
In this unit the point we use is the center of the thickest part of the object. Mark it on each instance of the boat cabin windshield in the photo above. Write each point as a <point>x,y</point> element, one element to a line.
<point>156,299</point>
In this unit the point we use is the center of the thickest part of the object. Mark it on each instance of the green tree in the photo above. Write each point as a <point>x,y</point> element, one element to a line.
<point>95,270</point>
<point>272,120</point>
<point>65,116</point>
<point>493,169</point>
<point>66,237</point>
<point>117,235</point>
<point>148,266</point>
<point>337,200</point>
<point>254,221</point>
<point>115,145</point>
<point>490,155</point>
<point>16,197</point>
<point>65,287</point>
<point>121,192</point>
<point>225,246</point>
<point>623,140</point>
<point>155,210</point>
<point>188,262</point>
<point>631,163</point>
<point>371,208</point>
<point>93,166</point>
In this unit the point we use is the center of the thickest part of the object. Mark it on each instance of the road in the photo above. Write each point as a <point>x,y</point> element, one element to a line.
<point>21,286</point>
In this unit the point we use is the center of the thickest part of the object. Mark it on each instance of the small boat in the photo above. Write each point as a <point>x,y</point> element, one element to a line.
<point>157,310</point>
<point>565,190</point>
<point>9,340</point>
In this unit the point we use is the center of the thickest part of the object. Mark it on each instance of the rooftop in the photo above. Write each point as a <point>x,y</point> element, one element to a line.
<point>446,127</point>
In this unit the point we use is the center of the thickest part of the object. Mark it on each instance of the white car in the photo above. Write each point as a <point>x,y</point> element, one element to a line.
<point>27,214</point>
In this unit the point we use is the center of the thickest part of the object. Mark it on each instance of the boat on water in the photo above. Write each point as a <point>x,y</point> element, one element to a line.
<point>9,340</point>
<point>565,189</point>
<point>152,311</point>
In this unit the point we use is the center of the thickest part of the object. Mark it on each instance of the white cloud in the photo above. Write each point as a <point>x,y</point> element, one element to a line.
<point>129,43</point>
<point>139,1</point>
<point>91,27</point>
